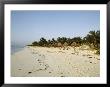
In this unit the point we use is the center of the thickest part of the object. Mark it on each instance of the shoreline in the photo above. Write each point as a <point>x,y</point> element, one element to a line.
<point>16,49</point>
<point>54,62</point>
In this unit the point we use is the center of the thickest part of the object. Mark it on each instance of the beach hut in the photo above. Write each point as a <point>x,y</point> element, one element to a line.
<point>74,45</point>
<point>55,44</point>
<point>65,45</point>
<point>59,45</point>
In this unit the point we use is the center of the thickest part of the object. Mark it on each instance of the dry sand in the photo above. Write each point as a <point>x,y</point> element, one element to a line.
<point>53,62</point>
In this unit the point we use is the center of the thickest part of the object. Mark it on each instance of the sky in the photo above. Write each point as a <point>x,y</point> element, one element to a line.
<point>29,26</point>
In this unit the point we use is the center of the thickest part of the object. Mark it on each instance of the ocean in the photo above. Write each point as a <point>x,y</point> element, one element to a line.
<point>16,48</point>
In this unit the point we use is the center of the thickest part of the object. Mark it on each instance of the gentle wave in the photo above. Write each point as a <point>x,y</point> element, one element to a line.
<point>15,49</point>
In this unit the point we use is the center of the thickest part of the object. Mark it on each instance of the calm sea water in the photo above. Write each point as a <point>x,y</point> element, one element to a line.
<point>16,48</point>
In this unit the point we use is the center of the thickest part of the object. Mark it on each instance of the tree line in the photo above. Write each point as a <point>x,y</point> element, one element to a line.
<point>92,39</point>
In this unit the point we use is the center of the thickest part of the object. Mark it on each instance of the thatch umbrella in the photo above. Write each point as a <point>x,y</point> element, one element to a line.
<point>55,44</point>
<point>74,45</point>
<point>59,45</point>
<point>65,45</point>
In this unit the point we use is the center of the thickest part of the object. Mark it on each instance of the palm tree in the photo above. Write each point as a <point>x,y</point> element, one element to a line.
<point>78,40</point>
<point>93,39</point>
<point>69,41</point>
<point>62,40</point>
<point>35,43</point>
<point>93,36</point>
<point>49,43</point>
<point>53,42</point>
<point>43,42</point>
<point>98,39</point>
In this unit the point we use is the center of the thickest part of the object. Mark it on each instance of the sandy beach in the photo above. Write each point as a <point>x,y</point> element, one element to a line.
<point>35,61</point>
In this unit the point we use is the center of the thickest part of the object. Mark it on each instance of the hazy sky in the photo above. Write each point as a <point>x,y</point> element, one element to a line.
<point>28,26</point>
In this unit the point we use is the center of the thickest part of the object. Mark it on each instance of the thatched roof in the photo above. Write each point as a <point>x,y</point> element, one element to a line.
<point>65,44</point>
<point>59,44</point>
<point>85,47</point>
<point>73,44</point>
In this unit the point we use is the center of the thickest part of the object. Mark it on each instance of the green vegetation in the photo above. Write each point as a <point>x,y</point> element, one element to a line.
<point>92,39</point>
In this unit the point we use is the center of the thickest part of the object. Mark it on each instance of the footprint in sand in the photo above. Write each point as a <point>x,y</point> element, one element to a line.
<point>72,53</point>
<point>61,73</point>
<point>62,76</point>
<point>47,65</point>
<point>29,72</point>
<point>90,62</point>
<point>90,57</point>
<point>83,55</point>
<point>34,53</point>
<point>40,64</point>
<point>19,69</point>
<point>38,60</point>
<point>50,72</point>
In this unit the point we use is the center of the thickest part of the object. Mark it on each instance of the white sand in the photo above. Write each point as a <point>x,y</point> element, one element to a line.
<point>53,62</point>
